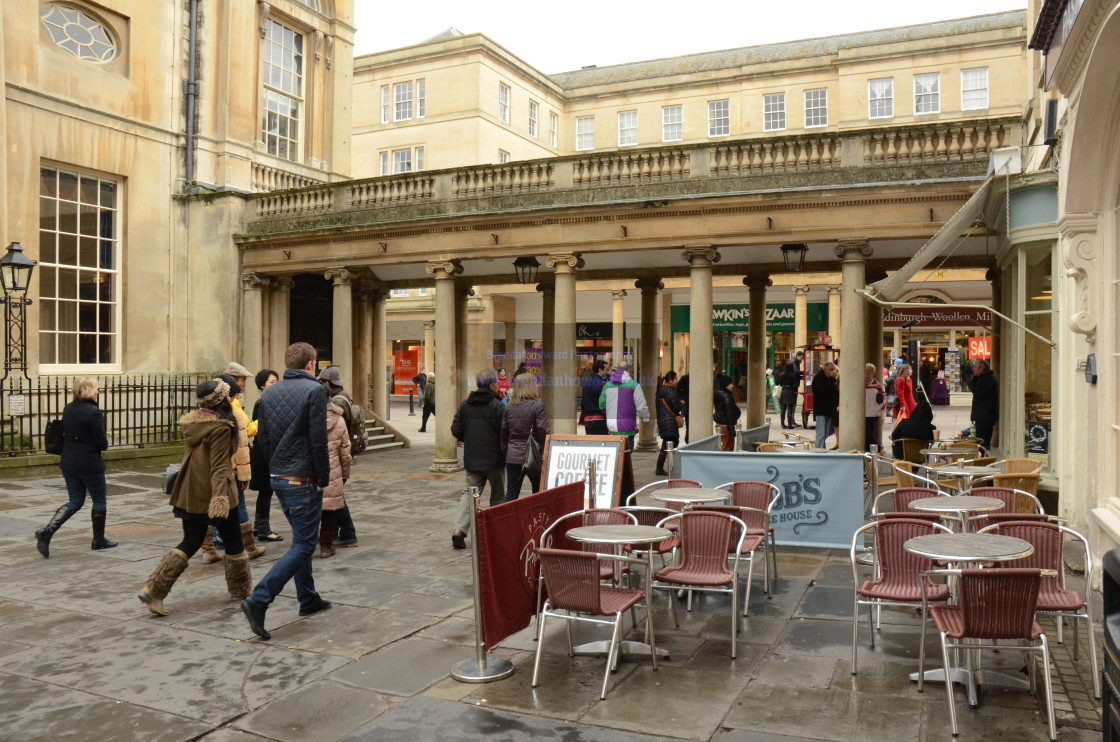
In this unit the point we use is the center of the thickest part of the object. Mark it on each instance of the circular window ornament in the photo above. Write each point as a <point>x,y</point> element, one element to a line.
<point>78,33</point>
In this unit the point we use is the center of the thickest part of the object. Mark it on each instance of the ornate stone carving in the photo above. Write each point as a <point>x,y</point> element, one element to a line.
<point>647,285</point>
<point>428,324</point>
<point>757,281</point>
<point>703,253</point>
<point>618,294</point>
<point>858,250</point>
<point>564,261</point>
<point>800,290</point>
<point>253,281</point>
<point>1079,254</point>
<point>444,268</point>
<point>834,290</point>
<point>340,276</point>
<point>282,283</point>
<point>263,10</point>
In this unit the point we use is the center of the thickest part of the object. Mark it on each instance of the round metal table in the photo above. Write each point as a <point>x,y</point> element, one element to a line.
<point>943,453</point>
<point>688,496</point>
<point>620,536</point>
<point>968,547</point>
<point>965,473</point>
<point>959,505</point>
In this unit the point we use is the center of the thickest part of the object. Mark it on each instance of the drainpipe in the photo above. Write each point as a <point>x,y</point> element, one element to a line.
<point>190,88</point>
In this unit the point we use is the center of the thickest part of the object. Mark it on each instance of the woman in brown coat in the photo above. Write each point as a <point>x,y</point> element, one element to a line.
<point>338,449</point>
<point>205,494</point>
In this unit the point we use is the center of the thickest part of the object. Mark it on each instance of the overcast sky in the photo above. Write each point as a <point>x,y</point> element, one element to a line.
<point>554,37</point>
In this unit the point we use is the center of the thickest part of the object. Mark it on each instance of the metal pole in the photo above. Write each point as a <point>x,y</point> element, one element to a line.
<point>592,477</point>
<point>389,397</point>
<point>411,405</point>
<point>479,670</point>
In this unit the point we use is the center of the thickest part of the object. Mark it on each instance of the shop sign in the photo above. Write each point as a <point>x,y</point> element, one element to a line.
<point>936,315</point>
<point>406,364</point>
<point>594,330</point>
<point>736,317</point>
<point>980,347</point>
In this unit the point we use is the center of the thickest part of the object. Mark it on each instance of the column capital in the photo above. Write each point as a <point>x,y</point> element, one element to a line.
<point>564,262</point>
<point>800,290</point>
<point>282,283</point>
<point>853,250</point>
<point>340,276</point>
<point>834,290</point>
<point>375,293</point>
<point>649,285</point>
<point>464,290</point>
<point>700,255</point>
<point>428,323</point>
<point>757,281</point>
<point>253,281</point>
<point>443,269</point>
<point>546,287</point>
<point>618,294</point>
<point>994,275</point>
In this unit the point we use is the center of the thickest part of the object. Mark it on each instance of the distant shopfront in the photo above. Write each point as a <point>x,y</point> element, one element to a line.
<point>948,337</point>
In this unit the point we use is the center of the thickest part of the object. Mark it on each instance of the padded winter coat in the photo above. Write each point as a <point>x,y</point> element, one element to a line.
<point>293,427</point>
<point>517,424</point>
<point>83,430</point>
<point>338,449</point>
<point>666,422</point>
<point>242,466</point>
<point>478,424</point>
<point>206,476</point>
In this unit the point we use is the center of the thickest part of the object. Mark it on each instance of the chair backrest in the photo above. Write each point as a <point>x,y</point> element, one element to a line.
<point>1045,537</point>
<point>1015,501</point>
<point>556,535</point>
<point>770,447</point>
<point>734,512</point>
<point>753,494</point>
<point>673,484</point>
<point>1021,466</point>
<point>982,461</point>
<point>648,516</point>
<point>705,536</point>
<point>999,603</point>
<point>572,578</point>
<point>904,471</point>
<point>966,446</point>
<point>1025,482</point>
<point>912,449</point>
<point>896,565</point>
<point>903,496</point>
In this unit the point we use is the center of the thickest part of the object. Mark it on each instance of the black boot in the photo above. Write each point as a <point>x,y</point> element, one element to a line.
<point>99,540</point>
<point>660,470</point>
<point>43,535</point>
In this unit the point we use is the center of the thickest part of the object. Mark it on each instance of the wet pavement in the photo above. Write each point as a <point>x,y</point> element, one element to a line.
<point>84,660</point>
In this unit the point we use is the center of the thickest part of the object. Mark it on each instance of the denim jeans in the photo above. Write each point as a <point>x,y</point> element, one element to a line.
<point>515,474</point>
<point>78,484</point>
<point>824,429</point>
<point>303,507</point>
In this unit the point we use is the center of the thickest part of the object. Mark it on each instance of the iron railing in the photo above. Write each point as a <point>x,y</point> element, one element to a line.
<point>139,409</point>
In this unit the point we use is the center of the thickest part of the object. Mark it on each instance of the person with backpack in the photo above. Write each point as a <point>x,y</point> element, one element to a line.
<point>428,402</point>
<point>83,440</point>
<point>334,500</point>
<point>354,417</point>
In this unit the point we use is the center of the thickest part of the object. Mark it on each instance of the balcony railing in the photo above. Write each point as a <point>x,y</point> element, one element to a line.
<point>711,163</point>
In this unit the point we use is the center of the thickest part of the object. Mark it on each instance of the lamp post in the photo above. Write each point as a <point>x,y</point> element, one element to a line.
<point>526,270</point>
<point>794,256</point>
<point>15,277</point>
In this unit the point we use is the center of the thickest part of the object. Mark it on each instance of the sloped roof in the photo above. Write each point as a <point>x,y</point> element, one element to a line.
<point>449,33</point>
<point>825,46</point>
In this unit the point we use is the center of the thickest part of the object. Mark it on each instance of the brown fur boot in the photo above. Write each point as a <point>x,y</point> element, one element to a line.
<point>239,581</point>
<point>160,581</point>
<point>209,554</point>
<point>247,541</point>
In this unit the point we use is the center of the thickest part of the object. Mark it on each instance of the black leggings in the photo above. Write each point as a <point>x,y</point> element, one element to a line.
<point>194,533</point>
<point>264,501</point>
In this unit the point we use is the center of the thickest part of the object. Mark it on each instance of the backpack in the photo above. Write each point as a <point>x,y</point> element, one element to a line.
<point>53,437</point>
<point>355,418</point>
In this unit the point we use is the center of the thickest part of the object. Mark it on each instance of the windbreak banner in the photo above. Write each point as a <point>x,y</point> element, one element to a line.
<point>508,536</point>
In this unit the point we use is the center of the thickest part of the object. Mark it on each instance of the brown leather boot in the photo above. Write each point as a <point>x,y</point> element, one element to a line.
<point>239,581</point>
<point>160,581</point>
<point>250,545</point>
<point>209,554</point>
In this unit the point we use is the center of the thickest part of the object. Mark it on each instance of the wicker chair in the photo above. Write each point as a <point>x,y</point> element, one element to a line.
<point>555,536</point>
<point>995,605</point>
<point>1022,466</point>
<point>704,564</point>
<point>574,587</point>
<point>651,516</point>
<point>912,449</point>
<point>898,573</point>
<point>760,498</point>
<point>901,497</point>
<point>751,545</point>
<point>770,447</point>
<point>1048,540</point>
<point>667,484</point>
<point>1014,501</point>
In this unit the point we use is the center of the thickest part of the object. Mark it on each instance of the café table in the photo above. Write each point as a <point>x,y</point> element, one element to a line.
<point>801,449</point>
<point>964,473</point>
<point>947,454</point>
<point>620,536</point>
<point>957,505</point>
<point>689,496</point>
<point>963,548</point>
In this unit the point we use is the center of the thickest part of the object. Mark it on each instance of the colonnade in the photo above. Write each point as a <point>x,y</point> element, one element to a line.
<point>359,339</point>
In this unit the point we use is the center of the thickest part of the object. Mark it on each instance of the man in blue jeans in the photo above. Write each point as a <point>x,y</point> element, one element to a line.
<point>293,440</point>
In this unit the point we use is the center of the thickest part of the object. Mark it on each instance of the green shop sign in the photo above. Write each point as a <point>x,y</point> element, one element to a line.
<point>736,317</point>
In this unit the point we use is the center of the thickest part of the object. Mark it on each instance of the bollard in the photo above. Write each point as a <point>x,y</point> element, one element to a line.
<point>411,404</point>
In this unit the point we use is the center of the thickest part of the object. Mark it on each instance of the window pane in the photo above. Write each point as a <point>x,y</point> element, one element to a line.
<point>627,128</point>
<point>927,93</point>
<point>816,107</point>
<point>585,132</point>
<point>283,81</point>
<point>880,98</point>
<point>774,112</point>
<point>719,118</point>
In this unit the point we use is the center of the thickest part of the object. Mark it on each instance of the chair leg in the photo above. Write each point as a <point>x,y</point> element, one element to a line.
<point>774,553</point>
<point>734,615</point>
<point>871,624</point>
<point>747,592</point>
<point>1092,653</point>
<point>1058,620</point>
<point>1049,688</point>
<point>540,645</point>
<point>672,593</point>
<point>611,659</point>
<point>921,656</point>
<point>855,631</point>
<point>650,639</point>
<point>571,645</point>
<point>948,684</point>
<point>1076,637</point>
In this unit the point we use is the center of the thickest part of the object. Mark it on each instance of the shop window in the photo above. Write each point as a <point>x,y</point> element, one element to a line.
<point>1038,374</point>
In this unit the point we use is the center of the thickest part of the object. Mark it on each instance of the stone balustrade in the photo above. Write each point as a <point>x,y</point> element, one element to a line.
<point>944,149</point>
<point>266,178</point>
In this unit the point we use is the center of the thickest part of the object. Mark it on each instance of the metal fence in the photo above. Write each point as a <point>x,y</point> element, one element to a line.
<point>139,409</point>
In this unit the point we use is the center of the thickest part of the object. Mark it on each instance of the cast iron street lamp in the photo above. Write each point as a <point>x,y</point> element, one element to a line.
<point>794,256</point>
<point>15,277</point>
<point>526,270</point>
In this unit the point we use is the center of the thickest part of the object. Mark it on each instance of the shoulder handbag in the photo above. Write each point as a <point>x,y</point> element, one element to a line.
<point>169,476</point>
<point>533,457</point>
<point>677,418</point>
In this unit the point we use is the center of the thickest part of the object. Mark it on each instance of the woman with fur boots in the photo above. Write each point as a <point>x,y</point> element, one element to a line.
<point>205,494</point>
<point>243,471</point>
<point>338,449</point>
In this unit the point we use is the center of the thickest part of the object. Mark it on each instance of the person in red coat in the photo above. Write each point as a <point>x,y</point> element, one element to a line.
<point>904,388</point>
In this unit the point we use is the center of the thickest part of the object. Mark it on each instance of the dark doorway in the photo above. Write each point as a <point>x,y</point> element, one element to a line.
<point>311,312</point>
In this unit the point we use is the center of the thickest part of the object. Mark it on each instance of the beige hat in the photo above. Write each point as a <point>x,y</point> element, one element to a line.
<point>236,369</point>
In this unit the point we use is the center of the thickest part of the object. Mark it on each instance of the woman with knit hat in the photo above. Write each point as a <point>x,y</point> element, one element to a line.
<point>205,494</point>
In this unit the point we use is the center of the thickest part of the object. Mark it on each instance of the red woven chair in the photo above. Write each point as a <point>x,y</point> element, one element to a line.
<point>901,497</point>
<point>663,484</point>
<point>1014,501</point>
<point>898,573</point>
<point>1048,540</point>
<point>760,499</point>
<point>650,516</point>
<point>574,587</point>
<point>748,545</point>
<point>995,605</point>
<point>705,537</point>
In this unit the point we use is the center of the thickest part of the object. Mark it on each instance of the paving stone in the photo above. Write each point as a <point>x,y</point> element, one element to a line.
<point>821,713</point>
<point>323,711</point>
<point>404,668</point>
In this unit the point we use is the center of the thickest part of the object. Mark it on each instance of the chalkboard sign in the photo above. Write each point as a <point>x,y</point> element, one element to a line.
<point>565,461</point>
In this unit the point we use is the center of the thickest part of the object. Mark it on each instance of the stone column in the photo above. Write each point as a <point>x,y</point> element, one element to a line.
<point>363,336</point>
<point>647,364</point>
<point>279,308</point>
<point>757,283</point>
<point>512,351</point>
<point>700,391</point>
<point>446,454</point>
<point>252,320</point>
<point>834,315</point>
<point>565,399</point>
<point>342,321</point>
<point>464,380</point>
<point>618,326</point>
<point>548,295</point>
<point>800,316</point>
<point>379,359</point>
<point>995,275</point>
<point>428,356</point>
<point>874,341</point>
<point>853,254</point>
